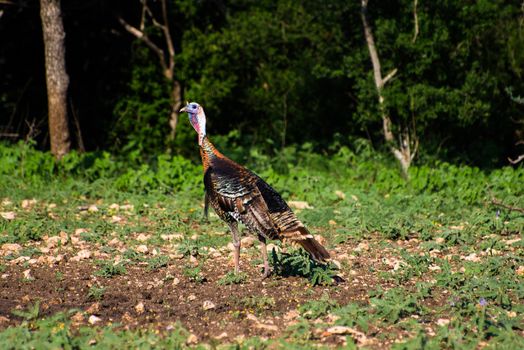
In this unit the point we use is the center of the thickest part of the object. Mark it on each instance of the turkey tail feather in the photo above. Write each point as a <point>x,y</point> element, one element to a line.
<point>302,236</point>
<point>315,249</point>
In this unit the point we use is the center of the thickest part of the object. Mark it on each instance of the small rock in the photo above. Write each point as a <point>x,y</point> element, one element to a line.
<point>114,242</point>
<point>511,241</point>
<point>78,317</point>
<point>340,330</point>
<point>267,327</point>
<point>115,219</point>
<point>332,222</point>
<point>19,260</point>
<point>332,318</point>
<point>114,206</point>
<point>194,237</point>
<point>337,264</point>
<point>172,237</point>
<point>362,246</point>
<point>26,203</point>
<point>27,274</point>
<point>343,256</point>
<point>192,339</point>
<point>251,317</point>
<point>94,308</point>
<point>11,248</point>
<point>208,305</point>
<point>472,257</point>
<point>340,194</point>
<point>193,261</point>
<point>520,270</point>
<point>291,315</point>
<point>94,319</point>
<point>139,308</point>
<point>248,241</point>
<point>142,237</point>
<point>443,322</point>
<point>142,248</point>
<point>127,318</point>
<point>8,215</point>
<point>92,208</point>
<point>3,320</point>
<point>299,205</point>
<point>434,268</point>
<point>127,207</point>
<point>176,281</point>
<point>79,231</point>
<point>191,297</point>
<point>221,336</point>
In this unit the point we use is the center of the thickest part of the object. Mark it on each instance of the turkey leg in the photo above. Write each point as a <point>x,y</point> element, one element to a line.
<point>263,249</point>
<point>236,243</point>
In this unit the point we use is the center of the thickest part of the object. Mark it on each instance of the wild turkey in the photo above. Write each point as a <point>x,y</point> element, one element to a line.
<point>239,195</point>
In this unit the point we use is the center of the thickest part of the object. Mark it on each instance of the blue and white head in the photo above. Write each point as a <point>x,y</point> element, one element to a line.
<point>197,118</point>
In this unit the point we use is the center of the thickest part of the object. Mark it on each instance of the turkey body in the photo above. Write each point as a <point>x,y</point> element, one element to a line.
<point>239,195</point>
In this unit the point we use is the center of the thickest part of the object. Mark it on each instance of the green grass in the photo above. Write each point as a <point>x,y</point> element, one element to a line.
<point>445,208</point>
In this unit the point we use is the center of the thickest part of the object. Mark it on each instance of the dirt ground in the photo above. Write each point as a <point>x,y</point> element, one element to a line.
<point>158,299</point>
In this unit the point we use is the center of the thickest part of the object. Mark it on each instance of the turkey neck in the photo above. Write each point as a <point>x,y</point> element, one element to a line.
<point>208,152</point>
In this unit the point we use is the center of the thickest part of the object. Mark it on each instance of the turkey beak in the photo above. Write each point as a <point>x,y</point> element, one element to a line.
<point>183,110</point>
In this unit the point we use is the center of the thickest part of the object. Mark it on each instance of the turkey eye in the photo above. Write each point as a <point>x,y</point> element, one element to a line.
<point>194,107</point>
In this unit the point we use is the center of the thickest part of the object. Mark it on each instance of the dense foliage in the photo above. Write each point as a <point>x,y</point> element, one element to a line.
<point>274,73</point>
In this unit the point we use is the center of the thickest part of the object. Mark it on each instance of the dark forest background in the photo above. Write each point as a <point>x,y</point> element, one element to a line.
<point>276,73</point>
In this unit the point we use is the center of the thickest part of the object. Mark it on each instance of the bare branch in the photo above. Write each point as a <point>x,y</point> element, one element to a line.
<point>496,202</point>
<point>389,76</point>
<point>375,61</point>
<point>143,15</point>
<point>9,134</point>
<point>518,160</point>
<point>143,37</point>
<point>415,149</point>
<point>415,17</point>
<point>169,41</point>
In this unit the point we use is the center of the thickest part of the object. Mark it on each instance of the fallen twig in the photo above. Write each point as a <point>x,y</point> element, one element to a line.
<point>496,202</point>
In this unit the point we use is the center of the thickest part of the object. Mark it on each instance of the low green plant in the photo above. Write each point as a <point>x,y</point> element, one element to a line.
<point>233,278</point>
<point>317,308</point>
<point>395,304</point>
<point>194,274</point>
<point>59,276</point>
<point>109,269</point>
<point>29,314</point>
<point>189,247</point>
<point>157,262</point>
<point>96,292</point>
<point>298,263</point>
<point>257,303</point>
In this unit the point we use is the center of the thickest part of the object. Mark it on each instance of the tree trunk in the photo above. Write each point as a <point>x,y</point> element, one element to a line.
<point>176,104</point>
<point>403,152</point>
<point>56,76</point>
